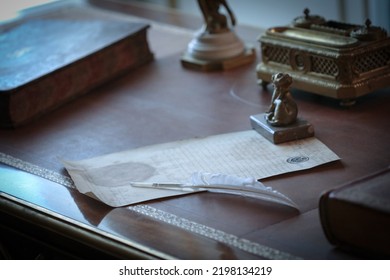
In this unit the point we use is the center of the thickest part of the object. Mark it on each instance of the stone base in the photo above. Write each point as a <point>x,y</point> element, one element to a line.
<point>298,130</point>
<point>188,61</point>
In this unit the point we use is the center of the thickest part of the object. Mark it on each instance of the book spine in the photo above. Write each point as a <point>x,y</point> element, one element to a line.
<point>324,218</point>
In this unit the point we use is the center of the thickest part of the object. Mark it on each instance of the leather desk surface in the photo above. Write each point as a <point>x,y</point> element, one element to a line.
<point>163,102</point>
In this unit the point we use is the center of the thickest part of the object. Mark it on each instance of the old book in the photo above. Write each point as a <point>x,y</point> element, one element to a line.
<point>357,215</point>
<point>59,51</point>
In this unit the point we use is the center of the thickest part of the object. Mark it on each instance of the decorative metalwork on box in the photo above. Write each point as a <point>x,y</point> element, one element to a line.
<point>330,58</point>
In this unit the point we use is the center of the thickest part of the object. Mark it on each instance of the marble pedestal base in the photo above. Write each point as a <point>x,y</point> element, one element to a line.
<point>216,51</point>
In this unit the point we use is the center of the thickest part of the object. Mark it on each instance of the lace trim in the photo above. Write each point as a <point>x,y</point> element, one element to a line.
<point>37,170</point>
<point>212,233</point>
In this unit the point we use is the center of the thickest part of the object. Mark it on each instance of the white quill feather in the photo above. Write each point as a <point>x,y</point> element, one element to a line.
<point>222,183</point>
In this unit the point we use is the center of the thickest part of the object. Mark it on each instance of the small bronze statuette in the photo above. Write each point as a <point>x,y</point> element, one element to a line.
<point>216,46</point>
<point>283,110</point>
<point>280,123</point>
<point>215,21</point>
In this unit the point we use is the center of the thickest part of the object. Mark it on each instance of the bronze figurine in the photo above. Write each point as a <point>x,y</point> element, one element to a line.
<point>214,20</point>
<point>283,109</point>
<point>280,123</point>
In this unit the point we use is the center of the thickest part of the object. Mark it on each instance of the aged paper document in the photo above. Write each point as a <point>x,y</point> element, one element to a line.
<point>244,154</point>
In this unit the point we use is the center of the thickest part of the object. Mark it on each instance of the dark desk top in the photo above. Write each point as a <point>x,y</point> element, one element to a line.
<point>163,102</point>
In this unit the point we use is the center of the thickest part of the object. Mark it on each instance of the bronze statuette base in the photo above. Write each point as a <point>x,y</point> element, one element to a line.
<point>298,130</point>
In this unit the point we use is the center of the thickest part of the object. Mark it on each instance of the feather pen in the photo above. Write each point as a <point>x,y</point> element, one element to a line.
<point>222,183</point>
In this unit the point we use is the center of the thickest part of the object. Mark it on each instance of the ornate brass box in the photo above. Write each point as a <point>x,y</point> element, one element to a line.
<point>330,58</point>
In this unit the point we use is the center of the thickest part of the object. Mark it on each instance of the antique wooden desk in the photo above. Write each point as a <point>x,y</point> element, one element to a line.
<point>164,102</point>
